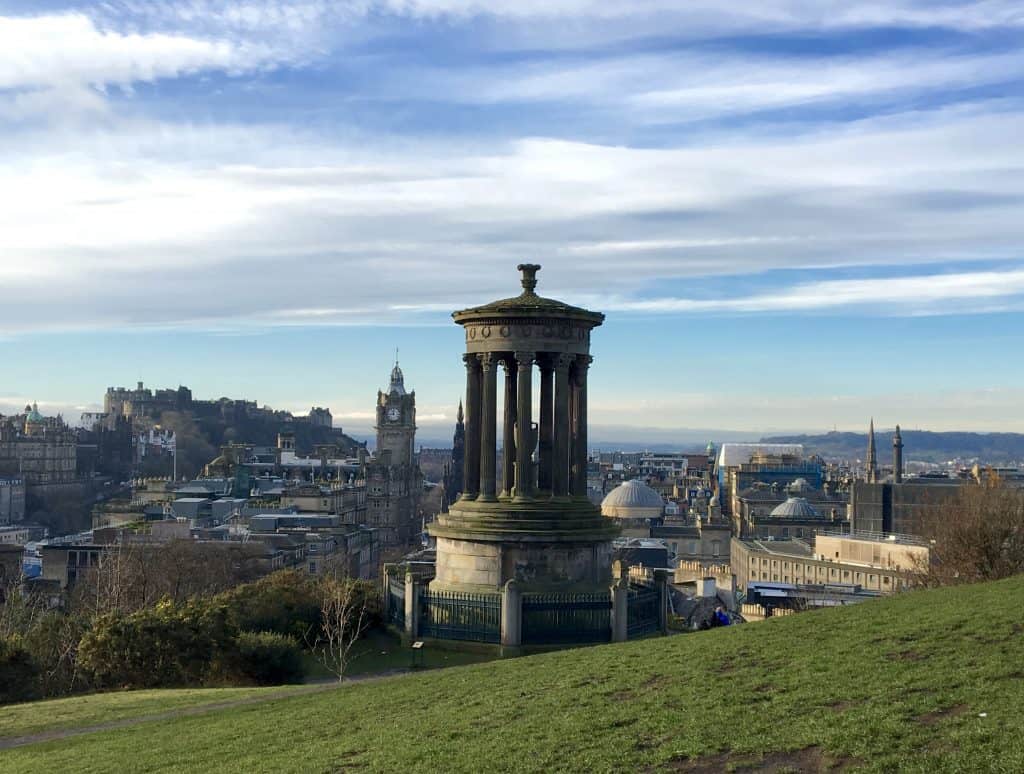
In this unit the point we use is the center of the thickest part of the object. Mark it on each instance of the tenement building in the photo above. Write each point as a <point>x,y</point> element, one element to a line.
<point>530,522</point>
<point>394,483</point>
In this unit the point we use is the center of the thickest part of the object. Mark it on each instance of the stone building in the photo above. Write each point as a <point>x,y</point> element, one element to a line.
<point>886,504</point>
<point>796,510</point>
<point>531,522</point>
<point>394,482</point>
<point>880,565</point>
<point>12,500</point>
<point>40,451</point>
<point>742,465</point>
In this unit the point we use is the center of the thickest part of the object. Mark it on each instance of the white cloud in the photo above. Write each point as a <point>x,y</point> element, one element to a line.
<point>68,49</point>
<point>900,295</point>
<point>126,224</point>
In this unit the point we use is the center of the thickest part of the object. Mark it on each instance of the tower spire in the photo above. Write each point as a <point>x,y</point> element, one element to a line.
<point>897,456</point>
<point>871,463</point>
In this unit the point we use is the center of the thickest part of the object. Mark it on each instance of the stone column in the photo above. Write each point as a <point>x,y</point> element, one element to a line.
<point>524,431</point>
<point>412,606</point>
<point>620,609</point>
<point>560,450</point>
<point>508,457</point>
<point>579,447</point>
<point>545,426</point>
<point>471,465</point>
<point>489,414</point>
<point>511,614</point>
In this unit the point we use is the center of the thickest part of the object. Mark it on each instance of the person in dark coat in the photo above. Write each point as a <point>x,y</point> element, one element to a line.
<point>721,617</point>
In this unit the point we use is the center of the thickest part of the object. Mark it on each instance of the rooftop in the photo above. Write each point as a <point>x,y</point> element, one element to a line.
<point>528,304</point>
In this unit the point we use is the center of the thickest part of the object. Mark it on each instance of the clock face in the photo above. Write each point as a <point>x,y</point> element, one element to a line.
<point>393,414</point>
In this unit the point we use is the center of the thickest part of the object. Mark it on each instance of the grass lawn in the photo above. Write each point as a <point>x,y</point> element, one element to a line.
<point>381,652</point>
<point>78,711</point>
<point>897,684</point>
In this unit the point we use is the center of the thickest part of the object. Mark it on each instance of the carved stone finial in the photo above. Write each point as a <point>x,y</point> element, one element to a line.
<point>529,279</point>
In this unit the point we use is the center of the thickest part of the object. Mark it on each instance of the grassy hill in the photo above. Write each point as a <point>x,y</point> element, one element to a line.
<point>928,681</point>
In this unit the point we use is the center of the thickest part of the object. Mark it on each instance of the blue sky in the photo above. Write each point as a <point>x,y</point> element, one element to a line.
<point>794,215</point>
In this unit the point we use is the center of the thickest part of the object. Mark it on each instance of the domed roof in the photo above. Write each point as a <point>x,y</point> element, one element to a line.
<point>633,499</point>
<point>397,380</point>
<point>795,508</point>
<point>528,304</point>
<point>32,414</point>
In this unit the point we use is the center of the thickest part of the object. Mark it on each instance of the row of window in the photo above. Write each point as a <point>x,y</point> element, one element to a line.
<point>848,575</point>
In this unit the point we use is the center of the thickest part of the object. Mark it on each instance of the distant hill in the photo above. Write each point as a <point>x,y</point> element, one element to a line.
<point>923,681</point>
<point>992,448</point>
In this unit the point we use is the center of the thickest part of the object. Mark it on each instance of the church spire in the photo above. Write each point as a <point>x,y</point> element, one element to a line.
<point>871,464</point>
<point>460,418</point>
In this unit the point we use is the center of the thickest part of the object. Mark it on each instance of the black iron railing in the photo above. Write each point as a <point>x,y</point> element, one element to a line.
<point>450,615</point>
<point>642,614</point>
<point>396,602</point>
<point>566,618</point>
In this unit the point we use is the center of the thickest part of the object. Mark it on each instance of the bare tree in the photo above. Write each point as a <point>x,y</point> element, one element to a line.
<point>343,618</point>
<point>977,536</point>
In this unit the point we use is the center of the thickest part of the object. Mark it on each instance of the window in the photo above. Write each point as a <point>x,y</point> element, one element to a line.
<point>785,565</point>
<point>716,546</point>
<point>785,532</point>
<point>312,567</point>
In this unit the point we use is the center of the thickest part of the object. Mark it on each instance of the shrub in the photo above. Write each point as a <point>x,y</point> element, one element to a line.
<point>268,658</point>
<point>167,645</point>
<point>285,602</point>
<point>19,673</point>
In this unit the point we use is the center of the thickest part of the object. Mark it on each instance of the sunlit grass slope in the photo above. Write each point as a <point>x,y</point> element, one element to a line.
<point>895,684</point>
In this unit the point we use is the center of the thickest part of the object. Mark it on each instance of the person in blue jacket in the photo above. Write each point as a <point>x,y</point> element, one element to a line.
<point>721,616</point>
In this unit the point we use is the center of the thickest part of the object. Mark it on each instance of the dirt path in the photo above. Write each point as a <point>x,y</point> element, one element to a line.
<point>65,733</point>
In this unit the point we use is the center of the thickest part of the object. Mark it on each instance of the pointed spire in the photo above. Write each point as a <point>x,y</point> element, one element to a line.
<point>870,463</point>
<point>460,417</point>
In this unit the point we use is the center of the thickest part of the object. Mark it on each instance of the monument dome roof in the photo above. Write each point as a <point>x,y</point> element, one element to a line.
<point>633,499</point>
<point>33,414</point>
<point>795,508</point>
<point>528,304</point>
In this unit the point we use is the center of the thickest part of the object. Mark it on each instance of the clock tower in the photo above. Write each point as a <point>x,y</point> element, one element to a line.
<point>396,420</point>
<point>393,478</point>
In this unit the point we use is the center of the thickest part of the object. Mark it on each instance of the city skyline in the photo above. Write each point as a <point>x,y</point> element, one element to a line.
<point>794,219</point>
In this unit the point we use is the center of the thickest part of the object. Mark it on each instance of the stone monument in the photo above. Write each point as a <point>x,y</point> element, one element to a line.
<point>538,528</point>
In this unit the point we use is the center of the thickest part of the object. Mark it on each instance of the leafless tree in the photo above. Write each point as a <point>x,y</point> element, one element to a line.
<point>977,536</point>
<point>343,618</point>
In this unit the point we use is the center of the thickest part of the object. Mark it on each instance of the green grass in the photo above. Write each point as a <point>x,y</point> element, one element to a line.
<point>896,684</point>
<point>78,711</point>
<point>382,652</point>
